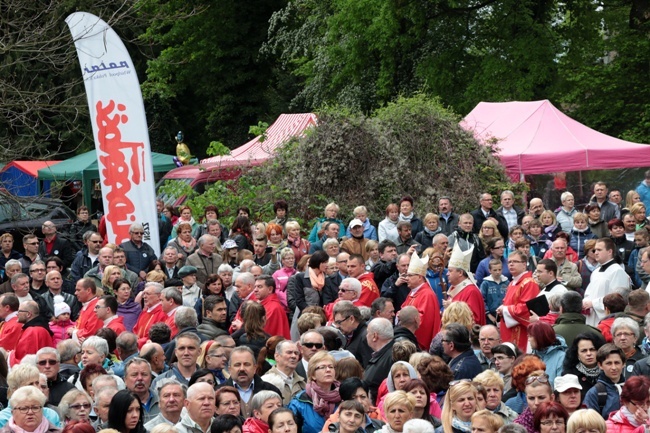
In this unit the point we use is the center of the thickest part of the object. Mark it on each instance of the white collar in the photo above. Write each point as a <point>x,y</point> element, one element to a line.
<point>149,310</point>
<point>85,304</point>
<point>109,320</point>
<point>171,313</point>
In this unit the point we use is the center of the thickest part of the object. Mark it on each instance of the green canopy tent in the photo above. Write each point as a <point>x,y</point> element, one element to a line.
<point>84,168</point>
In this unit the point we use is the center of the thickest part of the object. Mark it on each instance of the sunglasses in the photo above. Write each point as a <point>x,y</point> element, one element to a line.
<point>312,345</point>
<point>456,382</point>
<point>45,362</point>
<point>541,379</point>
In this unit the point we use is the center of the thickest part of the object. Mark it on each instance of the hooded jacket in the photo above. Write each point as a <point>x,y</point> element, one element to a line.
<point>570,325</point>
<point>578,239</point>
<point>553,357</point>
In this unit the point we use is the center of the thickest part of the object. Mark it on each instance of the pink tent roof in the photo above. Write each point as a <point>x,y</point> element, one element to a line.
<point>256,151</point>
<point>536,138</point>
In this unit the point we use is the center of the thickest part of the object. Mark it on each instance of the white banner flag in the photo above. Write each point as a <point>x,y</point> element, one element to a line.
<point>119,127</point>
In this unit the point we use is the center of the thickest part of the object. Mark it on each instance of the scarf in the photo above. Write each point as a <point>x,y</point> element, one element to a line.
<point>408,218</point>
<point>294,242</point>
<point>461,425</point>
<point>324,401</point>
<point>581,231</point>
<point>42,427</point>
<point>625,415</point>
<point>186,246</point>
<point>588,371</point>
<point>317,281</point>
<point>526,420</point>
<point>432,233</point>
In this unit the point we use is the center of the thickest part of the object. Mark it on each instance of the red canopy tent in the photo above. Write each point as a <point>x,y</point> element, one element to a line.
<point>259,150</point>
<point>536,138</point>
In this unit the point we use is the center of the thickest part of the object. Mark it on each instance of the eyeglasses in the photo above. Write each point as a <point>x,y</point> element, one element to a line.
<point>550,422</point>
<point>345,290</point>
<point>97,307</point>
<point>313,345</point>
<point>222,355</point>
<point>47,362</point>
<point>80,406</point>
<point>230,403</point>
<point>483,340</point>
<point>32,243</point>
<point>541,379</point>
<point>338,322</point>
<point>96,242</point>
<point>325,367</point>
<point>643,405</point>
<point>624,334</point>
<point>137,233</point>
<point>456,382</point>
<point>27,409</point>
<point>37,270</point>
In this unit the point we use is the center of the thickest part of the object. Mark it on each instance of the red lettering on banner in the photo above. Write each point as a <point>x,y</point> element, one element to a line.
<point>118,175</point>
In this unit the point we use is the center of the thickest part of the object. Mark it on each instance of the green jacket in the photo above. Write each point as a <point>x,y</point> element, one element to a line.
<point>570,325</point>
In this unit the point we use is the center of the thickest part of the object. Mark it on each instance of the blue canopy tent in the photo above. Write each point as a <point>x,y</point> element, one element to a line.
<point>20,178</point>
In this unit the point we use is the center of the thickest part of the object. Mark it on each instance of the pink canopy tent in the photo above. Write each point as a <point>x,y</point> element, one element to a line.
<point>536,138</point>
<point>257,151</point>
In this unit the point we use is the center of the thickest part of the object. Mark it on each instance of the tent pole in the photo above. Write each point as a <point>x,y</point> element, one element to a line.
<point>582,194</point>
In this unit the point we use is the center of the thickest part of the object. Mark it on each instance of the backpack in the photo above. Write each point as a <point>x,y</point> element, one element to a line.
<point>602,396</point>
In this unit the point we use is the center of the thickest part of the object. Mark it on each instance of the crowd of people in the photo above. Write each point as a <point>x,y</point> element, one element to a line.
<point>500,319</point>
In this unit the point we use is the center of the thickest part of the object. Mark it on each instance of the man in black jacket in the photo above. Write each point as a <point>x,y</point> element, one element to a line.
<point>484,212</point>
<point>409,322</point>
<point>55,245</point>
<point>347,318</point>
<point>243,378</point>
<point>387,264</point>
<point>48,362</point>
<point>380,339</point>
<point>86,259</point>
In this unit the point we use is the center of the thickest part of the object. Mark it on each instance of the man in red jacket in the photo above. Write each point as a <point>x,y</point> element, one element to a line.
<point>11,328</point>
<point>87,324</point>
<point>277,322</point>
<point>36,332</point>
<point>152,313</point>
<point>106,311</point>
<point>357,269</point>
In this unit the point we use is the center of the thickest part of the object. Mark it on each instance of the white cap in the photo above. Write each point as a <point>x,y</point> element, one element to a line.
<point>568,381</point>
<point>355,222</point>
<point>60,307</point>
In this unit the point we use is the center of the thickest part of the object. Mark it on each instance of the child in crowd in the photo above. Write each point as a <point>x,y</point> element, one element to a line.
<point>493,289</point>
<point>580,234</point>
<point>61,323</point>
<point>538,242</point>
<point>516,233</point>
<point>372,248</point>
<point>641,238</point>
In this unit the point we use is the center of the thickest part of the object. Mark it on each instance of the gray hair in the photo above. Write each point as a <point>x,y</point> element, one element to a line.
<point>381,326</point>
<point>194,389</point>
<point>159,287</point>
<point>68,349</point>
<point>508,192</point>
<point>49,351</point>
<point>246,278</point>
<point>191,335</point>
<point>279,348</point>
<point>366,313</point>
<point>261,397</point>
<point>437,238</point>
<point>103,391</point>
<point>625,322</point>
<point>138,361</point>
<point>135,226</point>
<point>69,398</point>
<point>203,239</point>
<point>224,267</point>
<point>564,195</point>
<point>286,251</point>
<point>240,349</point>
<point>13,262</point>
<point>173,294</point>
<point>98,343</point>
<point>127,342</point>
<point>169,381</point>
<point>417,425</point>
<point>513,428</point>
<point>25,393</point>
<point>18,276</point>
<point>353,284</point>
<point>104,377</point>
<point>330,241</point>
<point>185,317</point>
<point>646,321</point>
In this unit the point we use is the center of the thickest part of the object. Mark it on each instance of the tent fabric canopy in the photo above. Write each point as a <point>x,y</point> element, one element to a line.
<point>21,177</point>
<point>84,167</point>
<point>257,151</point>
<point>536,138</point>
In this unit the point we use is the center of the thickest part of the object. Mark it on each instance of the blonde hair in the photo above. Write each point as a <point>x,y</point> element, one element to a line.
<point>458,312</point>
<point>399,397</point>
<point>489,378</point>
<point>494,421</point>
<point>431,217</point>
<point>107,273</point>
<point>453,394</point>
<point>160,428</point>
<point>637,207</point>
<point>629,198</point>
<point>491,224</point>
<point>418,357</point>
<point>587,419</point>
<point>549,213</point>
<point>20,375</point>
<point>360,210</point>
<point>580,217</point>
<point>156,276</point>
<point>317,358</point>
<point>370,245</point>
<point>205,351</point>
<point>290,225</point>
